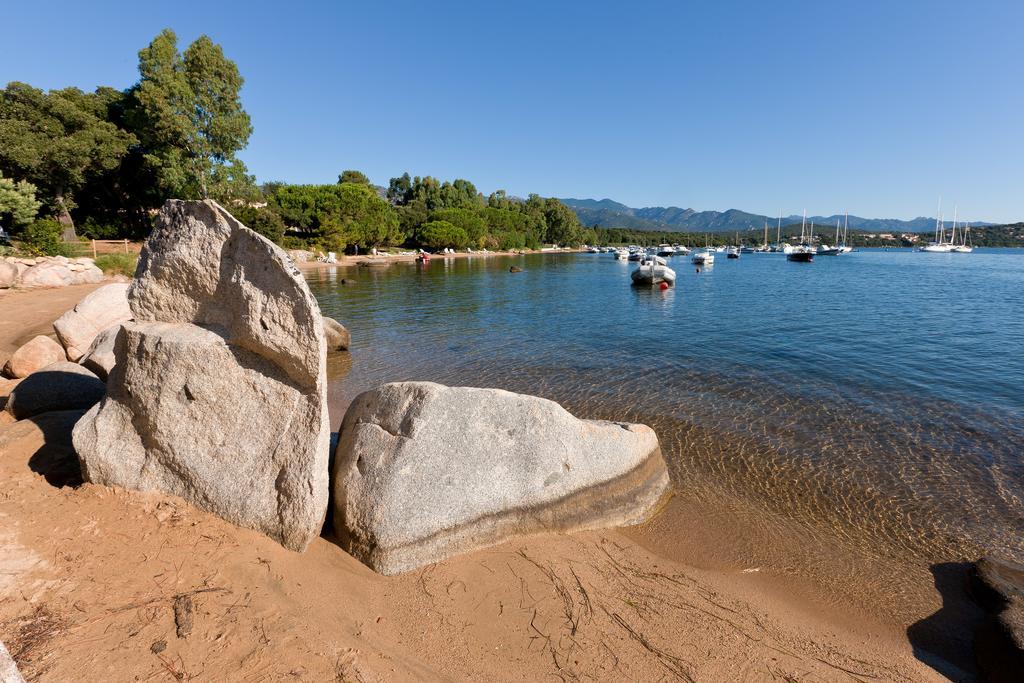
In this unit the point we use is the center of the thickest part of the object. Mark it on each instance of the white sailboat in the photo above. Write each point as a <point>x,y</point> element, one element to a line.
<point>939,245</point>
<point>844,246</point>
<point>963,247</point>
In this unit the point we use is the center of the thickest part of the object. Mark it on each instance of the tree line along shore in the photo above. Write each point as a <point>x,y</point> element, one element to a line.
<point>98,165</point>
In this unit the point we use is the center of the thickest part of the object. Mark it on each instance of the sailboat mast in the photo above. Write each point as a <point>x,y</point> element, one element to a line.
<point>803,224</point>
<point>952,238</point>
<point>846,229</point>
<point>837,233</point>
<point>938,221</point>
<point>778,230</point>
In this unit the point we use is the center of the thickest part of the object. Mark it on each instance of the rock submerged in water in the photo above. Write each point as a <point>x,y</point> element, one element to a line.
<point>424,471</point>
<point>338,338</point>
<point>999,644</point>
<point>103,308</point>
<point>218,391</point>
<point>59,386</point>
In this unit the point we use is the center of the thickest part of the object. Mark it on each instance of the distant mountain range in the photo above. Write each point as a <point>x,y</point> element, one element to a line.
<point>607,213</point>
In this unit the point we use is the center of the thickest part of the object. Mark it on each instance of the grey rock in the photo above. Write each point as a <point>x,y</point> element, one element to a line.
<point>338,338</point>
<point>100,309</point>
<point>35,354</point>
<point>227,430</point>
<point>423,471</point>
<point>60,386</point>
<point>47,274</point>
<point>8,669</point>
<point>100,356</point>
<point>218,392</point>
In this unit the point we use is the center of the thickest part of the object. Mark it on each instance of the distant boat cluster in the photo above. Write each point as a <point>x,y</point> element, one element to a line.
<point>653,266</point>
<point>954,244</point>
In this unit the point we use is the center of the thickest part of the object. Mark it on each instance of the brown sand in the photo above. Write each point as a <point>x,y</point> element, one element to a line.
<point>25,314</point>
<point>374,261</point>
<point>105,584</point>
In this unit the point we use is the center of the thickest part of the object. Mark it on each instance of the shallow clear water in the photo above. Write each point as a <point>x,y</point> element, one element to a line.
<point>873,401</point>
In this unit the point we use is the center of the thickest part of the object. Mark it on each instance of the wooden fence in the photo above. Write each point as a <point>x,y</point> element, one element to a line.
<point>94,248</point>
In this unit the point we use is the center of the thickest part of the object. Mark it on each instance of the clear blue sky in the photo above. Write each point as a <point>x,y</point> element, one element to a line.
<point>878,107</point>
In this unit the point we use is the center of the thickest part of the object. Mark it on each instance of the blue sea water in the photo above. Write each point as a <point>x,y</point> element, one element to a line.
<point>876,398</point>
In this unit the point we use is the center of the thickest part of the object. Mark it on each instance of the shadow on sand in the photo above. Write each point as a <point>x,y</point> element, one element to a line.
<point>945,640</point>
<point>56,460</point>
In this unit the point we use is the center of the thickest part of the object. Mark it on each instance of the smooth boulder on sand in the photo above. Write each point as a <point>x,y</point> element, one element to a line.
<point>35,354</point>
<point>99,310</point>
<point>424,471</point>
<point>218,391</point>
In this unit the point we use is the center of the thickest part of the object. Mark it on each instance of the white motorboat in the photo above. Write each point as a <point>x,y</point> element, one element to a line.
<point>621,254</point>
<point>637,255</point>
<point>704,257</point>
<point>650,272</point>
<point>732,252</point>
<point>682,250</point>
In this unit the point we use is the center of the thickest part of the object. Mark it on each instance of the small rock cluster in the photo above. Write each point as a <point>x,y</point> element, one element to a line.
<point>47,271</point>
<point>67,374</point>
<point>215,367</point>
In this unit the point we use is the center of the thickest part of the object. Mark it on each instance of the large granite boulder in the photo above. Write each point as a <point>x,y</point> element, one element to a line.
<point>100,356</point>
<point>999,643</point>
<point>218,392</point>
<point>35,354</point>
<point>100,309</point>
<point>60,386</point>
<point>338,338</point>
<point>423,471</point>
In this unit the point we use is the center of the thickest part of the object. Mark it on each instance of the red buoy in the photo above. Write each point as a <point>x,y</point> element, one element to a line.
<point>663,286</point>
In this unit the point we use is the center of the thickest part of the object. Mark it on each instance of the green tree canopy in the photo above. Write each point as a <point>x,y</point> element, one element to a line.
<point>357,177</point>
<point>18,204</point>
<point>56,140</point>
<point>338,215</point>
<point>470,220</point>
<point>190,119</point>
<point>441,234</point>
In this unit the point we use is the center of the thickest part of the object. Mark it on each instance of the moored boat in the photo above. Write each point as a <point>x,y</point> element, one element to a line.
<point>650,272</point>
<point>800,253</point>
<point>704,257</point>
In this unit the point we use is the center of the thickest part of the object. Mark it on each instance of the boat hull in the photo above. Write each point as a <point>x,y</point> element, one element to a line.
<point>647,275</point>
<point>800,256</point>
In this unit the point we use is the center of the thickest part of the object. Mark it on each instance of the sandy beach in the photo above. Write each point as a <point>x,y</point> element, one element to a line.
<point>101,582</point>
<point>368,260</point>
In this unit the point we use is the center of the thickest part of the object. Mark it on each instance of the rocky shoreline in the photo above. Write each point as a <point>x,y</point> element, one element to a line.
<point>183,420</point>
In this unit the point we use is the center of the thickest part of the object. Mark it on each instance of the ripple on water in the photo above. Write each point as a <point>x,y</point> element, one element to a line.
<point>870,404</point>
